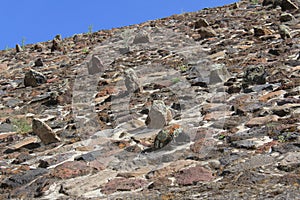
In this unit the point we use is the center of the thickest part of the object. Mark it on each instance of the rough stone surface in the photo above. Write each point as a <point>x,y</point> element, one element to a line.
<point>71,169</point>
<point>131,81</point>
<point>33,78</point>
<point>44,132</point>
<point>193,175</point>
<point>123,184</point>
<point>158,115</point>
<point>95,65</point>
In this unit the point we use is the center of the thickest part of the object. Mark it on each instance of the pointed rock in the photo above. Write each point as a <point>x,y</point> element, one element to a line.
<point>18,48</point>
<point>131,81</point>
<point>34,78</point>
<point>95,65</point>
<point>201,23</point>
<point>159,115</point>
<point>44,132</point>
<point>56,45</point>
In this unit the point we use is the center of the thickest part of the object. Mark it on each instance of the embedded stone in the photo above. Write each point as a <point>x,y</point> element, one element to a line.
<point>44,132</point>
<point>34,78</point>
<point>95,65</point>
<point>158,115</point>
<point>131,81</point>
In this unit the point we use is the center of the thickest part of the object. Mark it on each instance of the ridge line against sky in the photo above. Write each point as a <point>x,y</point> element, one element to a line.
<point>33,21</point>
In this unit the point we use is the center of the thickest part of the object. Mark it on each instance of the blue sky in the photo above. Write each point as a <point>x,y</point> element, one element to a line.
<point>40,20</point>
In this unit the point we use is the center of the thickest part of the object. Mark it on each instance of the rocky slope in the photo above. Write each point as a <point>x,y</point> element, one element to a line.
<point>201,105</point>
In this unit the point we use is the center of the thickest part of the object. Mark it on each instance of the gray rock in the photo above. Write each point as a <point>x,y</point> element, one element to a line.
<point>290,162</point>
<point>95,65</point>
<point>90,156</point>
<point>131,81</point>
<point>141,37</point>
<point>6,128</point>
<point>23,178</point>
<point>34,78</point>
<point>158,115</point>
<point>218,74</point>
<point>255,75</point>
<point>44,132</point>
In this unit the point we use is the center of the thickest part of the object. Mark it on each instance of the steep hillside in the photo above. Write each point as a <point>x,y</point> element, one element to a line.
<point>201,105</point>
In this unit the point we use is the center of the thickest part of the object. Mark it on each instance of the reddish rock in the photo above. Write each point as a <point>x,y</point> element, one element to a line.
<point>193,175</point>
<point>123,184</point>
<point>271,95</point>
<point>71,169</point>
<point>259,121</point>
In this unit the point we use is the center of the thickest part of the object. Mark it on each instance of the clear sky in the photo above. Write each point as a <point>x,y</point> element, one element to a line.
<point>33,21</point>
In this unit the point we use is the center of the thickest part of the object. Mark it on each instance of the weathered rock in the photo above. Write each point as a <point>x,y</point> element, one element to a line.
<point>89,156</point>
<point>56,45</point>
<point>71,169</point>
<point>131,81</point>
<point>207,32</point>
<point>193,175</point>
<point>141,37</point>
<point>23,178</point>
<point>271,95</point>
<point>259,121</point>
<point>24,143</point>
<point>252,143</point>
<point>34,78</point>
<point>95,65</point>
<point>159,115</point>
<point>218,74</point>
<point>6,128</point>
<point>38,62</point>
<point>123,184</point>
<point>290,162</point>
<point>201,23</point>
<point>44,132</point>
<point>255,75</point>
